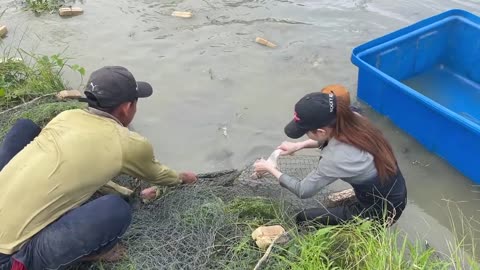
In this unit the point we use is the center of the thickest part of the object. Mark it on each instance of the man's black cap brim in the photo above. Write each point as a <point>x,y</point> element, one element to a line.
<point>293,130</point>
<point>144,89</point>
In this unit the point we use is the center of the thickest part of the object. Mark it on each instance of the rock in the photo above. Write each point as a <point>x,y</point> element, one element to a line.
<point>69,94</point>
<point>340,198</point>
<point>265,42</point>
<point>182,14</point>
<point>3,31</point>
<point>265,235</point>
<point>70,11</point>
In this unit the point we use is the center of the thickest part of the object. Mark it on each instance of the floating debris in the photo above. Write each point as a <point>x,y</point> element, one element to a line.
<point>416,162</point>
<point>210,71</point>
<point>70,11</point>
<point>225,132</point>
<point>182,14</point>
<point>3,30</point>
<point>265,42</point>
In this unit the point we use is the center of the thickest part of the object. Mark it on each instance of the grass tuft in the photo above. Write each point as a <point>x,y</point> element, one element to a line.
<point>360,244</point>
<point>26,76</point>
<point>41,114</point>
<point>42,6</point>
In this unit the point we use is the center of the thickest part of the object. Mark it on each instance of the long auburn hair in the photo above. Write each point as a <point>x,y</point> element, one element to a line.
<point>358,131</point>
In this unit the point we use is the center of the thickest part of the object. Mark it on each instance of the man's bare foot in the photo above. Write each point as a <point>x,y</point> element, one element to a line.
<point>117,253</point>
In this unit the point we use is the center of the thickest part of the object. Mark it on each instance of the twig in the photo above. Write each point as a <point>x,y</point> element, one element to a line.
<point>267,253</point>
<point>3,12</point>
<point>26,103</point>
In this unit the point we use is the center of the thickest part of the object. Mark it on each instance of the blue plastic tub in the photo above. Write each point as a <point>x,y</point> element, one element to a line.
<point>426,79</point>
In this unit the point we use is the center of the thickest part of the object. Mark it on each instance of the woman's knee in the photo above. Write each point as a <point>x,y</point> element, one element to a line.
<point>310,215</point>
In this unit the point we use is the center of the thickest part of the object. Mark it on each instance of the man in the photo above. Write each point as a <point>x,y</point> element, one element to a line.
<point>45,222</point>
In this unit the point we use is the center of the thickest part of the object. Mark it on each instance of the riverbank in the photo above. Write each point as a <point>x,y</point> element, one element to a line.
<point>209,225</point>
<point>208,73</point>
<point>28,84</point>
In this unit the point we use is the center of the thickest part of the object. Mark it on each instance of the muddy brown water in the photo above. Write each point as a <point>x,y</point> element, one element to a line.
<point>209,74</point>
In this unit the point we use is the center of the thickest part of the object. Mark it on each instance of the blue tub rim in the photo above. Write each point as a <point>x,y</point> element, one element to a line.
<point>420,26</point>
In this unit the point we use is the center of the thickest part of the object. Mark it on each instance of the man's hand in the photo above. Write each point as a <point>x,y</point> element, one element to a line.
<point>188,177</point>
<point>149,193</point>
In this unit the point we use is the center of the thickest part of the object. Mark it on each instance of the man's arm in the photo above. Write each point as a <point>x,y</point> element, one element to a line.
<point>139,161</point>
<point>114,188</point>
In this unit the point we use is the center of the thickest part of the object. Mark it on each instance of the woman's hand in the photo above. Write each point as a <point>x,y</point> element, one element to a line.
<point>288,148</point>
<point>262,166</point>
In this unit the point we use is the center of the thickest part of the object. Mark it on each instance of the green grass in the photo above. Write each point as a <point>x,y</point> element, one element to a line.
<point>248,214</point>
<point>255,211</point>
<point>25,76</point>
<point>465,231</point>
<point>40,6</point>
<point>360,245</point>
<point>41,114</point>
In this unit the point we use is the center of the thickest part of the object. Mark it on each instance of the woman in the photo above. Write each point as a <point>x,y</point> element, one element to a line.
<point>353,150</point>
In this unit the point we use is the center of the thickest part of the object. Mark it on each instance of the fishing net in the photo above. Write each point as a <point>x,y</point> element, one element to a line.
<point>202,226</point>
<point>208,225</point>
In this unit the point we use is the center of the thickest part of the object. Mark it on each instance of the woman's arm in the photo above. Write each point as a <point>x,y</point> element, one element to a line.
<point>305,188</point>
<point>289,148</point>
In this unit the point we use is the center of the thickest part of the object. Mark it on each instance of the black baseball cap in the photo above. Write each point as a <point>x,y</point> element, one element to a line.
<point>111,86</point>
<point>313,111</point>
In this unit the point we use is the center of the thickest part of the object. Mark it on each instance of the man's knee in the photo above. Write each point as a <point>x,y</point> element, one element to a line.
<point>26,123</point>
<point>114,208</point>
<point>89,228</point>
<point>25,128</point>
